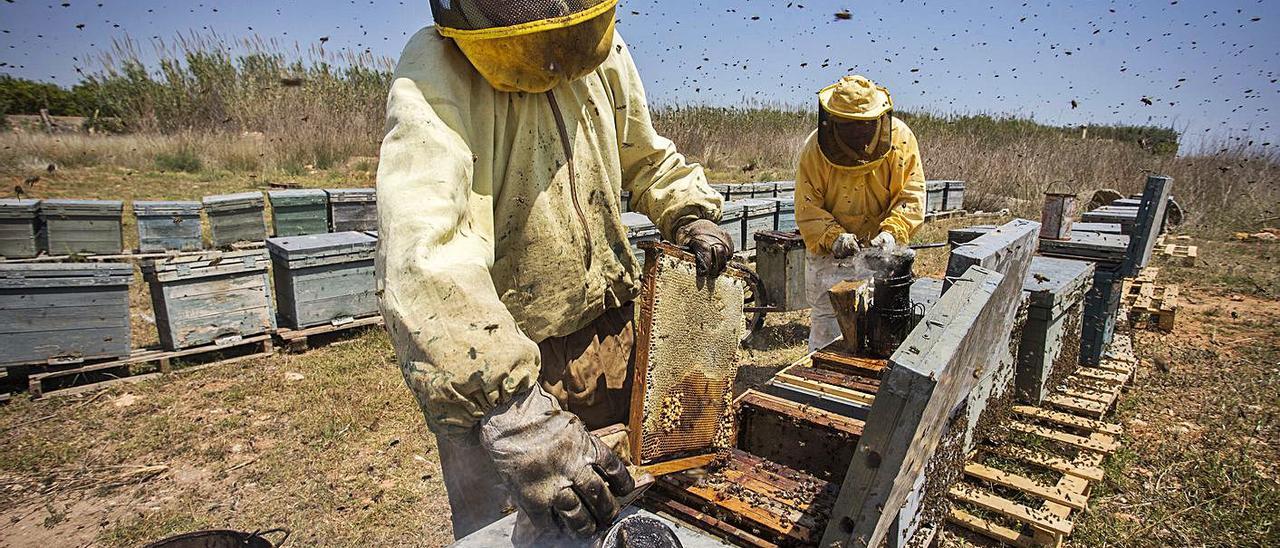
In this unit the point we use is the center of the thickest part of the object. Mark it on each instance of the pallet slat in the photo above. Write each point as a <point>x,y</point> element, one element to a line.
<point>1094,442</point>
<point>1026,485</point>
<point>1067,419</point>
<point>1011,509</point>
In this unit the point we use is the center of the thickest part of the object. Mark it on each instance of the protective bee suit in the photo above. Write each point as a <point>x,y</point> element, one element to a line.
<point>859,183</point>
<point>504,270</point>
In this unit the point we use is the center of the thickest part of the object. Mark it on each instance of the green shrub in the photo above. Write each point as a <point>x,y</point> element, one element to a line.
<point>183,158</point>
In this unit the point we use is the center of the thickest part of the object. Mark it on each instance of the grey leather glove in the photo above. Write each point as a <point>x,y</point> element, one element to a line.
<point>845,246</point>
<point>711,246</point>
<point>562,477</point>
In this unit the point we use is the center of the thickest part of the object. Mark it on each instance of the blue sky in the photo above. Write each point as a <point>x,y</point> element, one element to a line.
<point>1208,68</point>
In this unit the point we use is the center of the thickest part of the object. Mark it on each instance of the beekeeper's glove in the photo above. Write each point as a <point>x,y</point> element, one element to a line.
<point>884,240</point>
<point>845,246</point>
<point>560,475</point>
<point>711,246</point>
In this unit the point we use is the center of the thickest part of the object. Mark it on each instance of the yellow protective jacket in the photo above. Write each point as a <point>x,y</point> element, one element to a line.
<point>885,195</point>
<point>492,239</point>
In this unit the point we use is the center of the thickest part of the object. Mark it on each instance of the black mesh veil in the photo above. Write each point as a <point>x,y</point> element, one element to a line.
<point>484,14</point>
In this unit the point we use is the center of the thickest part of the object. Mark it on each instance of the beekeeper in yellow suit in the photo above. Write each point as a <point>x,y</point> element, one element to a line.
<point>504,271</point>
<point>859,184</point>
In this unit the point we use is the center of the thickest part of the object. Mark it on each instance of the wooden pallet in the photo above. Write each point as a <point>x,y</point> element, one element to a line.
<point>1069,421</point>
<point>1185,255</point>
<point>1147,301</point>
<point>1042,513</point>
<point>940,215</point>
<point>160,360</point>
<point>298,339</point>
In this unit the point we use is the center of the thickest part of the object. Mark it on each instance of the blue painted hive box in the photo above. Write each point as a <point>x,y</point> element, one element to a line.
<point>69,227</point>
<point>19,227</point>
<point>784,216</point>
<point>210,298</point>
<point>298,212</point>
<point>353,209</point>
<point>1102,302</point>
<point>639,229</point>
<point>739,192</point>
<point>323,278</point>
<point>764,190</point>
<point>63,312</point>
<point>236,218</point>
<point>731,221</point>
<point>168,226</point>
<point>757,217</point>
<point>1050,348</point>
<point>786,189</point>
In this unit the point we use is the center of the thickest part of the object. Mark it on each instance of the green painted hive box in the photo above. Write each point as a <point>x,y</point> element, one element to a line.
<point>210,298</point>
<point>298,212</point>
<point>70,227</point>
<point>168,226</point>
<point>52,312</point>
<point>323,278</point>
<point>236,218</point>
<point>19,225</point>
<point>353,209</point>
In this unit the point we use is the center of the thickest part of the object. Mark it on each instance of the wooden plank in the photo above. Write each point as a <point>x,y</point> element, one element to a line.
<point>1103,375</point>
<point>1050,461</point>
<point>678,465</point>
<point>990,529</point>
<point>1094,442</point>
<point>1090,408</point>
<point>1067,419</point>
<point>1026,485</point>
<point>841,392</point>
<point>834,359</point>
<point>1010,509</point>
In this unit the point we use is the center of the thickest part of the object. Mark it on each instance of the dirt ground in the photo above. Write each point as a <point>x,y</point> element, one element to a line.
<point>330,444</point>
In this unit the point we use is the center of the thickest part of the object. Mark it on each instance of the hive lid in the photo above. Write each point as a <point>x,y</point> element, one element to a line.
<point>1090,246</point>
<point>785,240</point>
<point>351,245</point>
<point>15,208</point>
<point>210,263</point>
<point>297,197</point>
<point>964,235</point>
<point>1106,228</point>
<point>767,186</point>
<point>787,186</point>
<point>351,194</point>
<point>731,209</point>
<point>82,206</point>
<point>34,275</point>
<point>166,208</point>
<point>637,224</point>
<point>1051,280</point>
<point>934,186</point>
<point>233,201</point>
<point>787,203</point>
<point>954,184</point>
<point>755,206</point>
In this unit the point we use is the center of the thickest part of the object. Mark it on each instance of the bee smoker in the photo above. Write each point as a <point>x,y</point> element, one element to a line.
<point>891,316</point>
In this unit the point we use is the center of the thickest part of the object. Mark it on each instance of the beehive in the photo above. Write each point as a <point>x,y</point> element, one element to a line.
<point>780,265</point>
<point>323,278</point>
<point>1108,252</point>
<point>624,201</point>
<point>639,229</point>
<point>1050,346</point>
<point>954,199</point>
<point>786,189</point>
<point>731,221</point>
<point>63,311</point>
<point>353,209</point>
<point>739,192</point>
<point>784,217</point>
<point>210,298</point>
<point>763,190</point>
<point>722,189</point>
<point>300,211</point>
<point>1123,216</point>
<point>1105,228</point>
<point>18,228</point>
<point>81,226</point>
<point>235,218</point>
<point>757,217</point>
<point>934,196</point>
<point>168,226</point>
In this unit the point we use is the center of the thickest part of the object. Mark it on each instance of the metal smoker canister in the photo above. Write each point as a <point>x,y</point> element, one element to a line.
<point>891,315</point>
